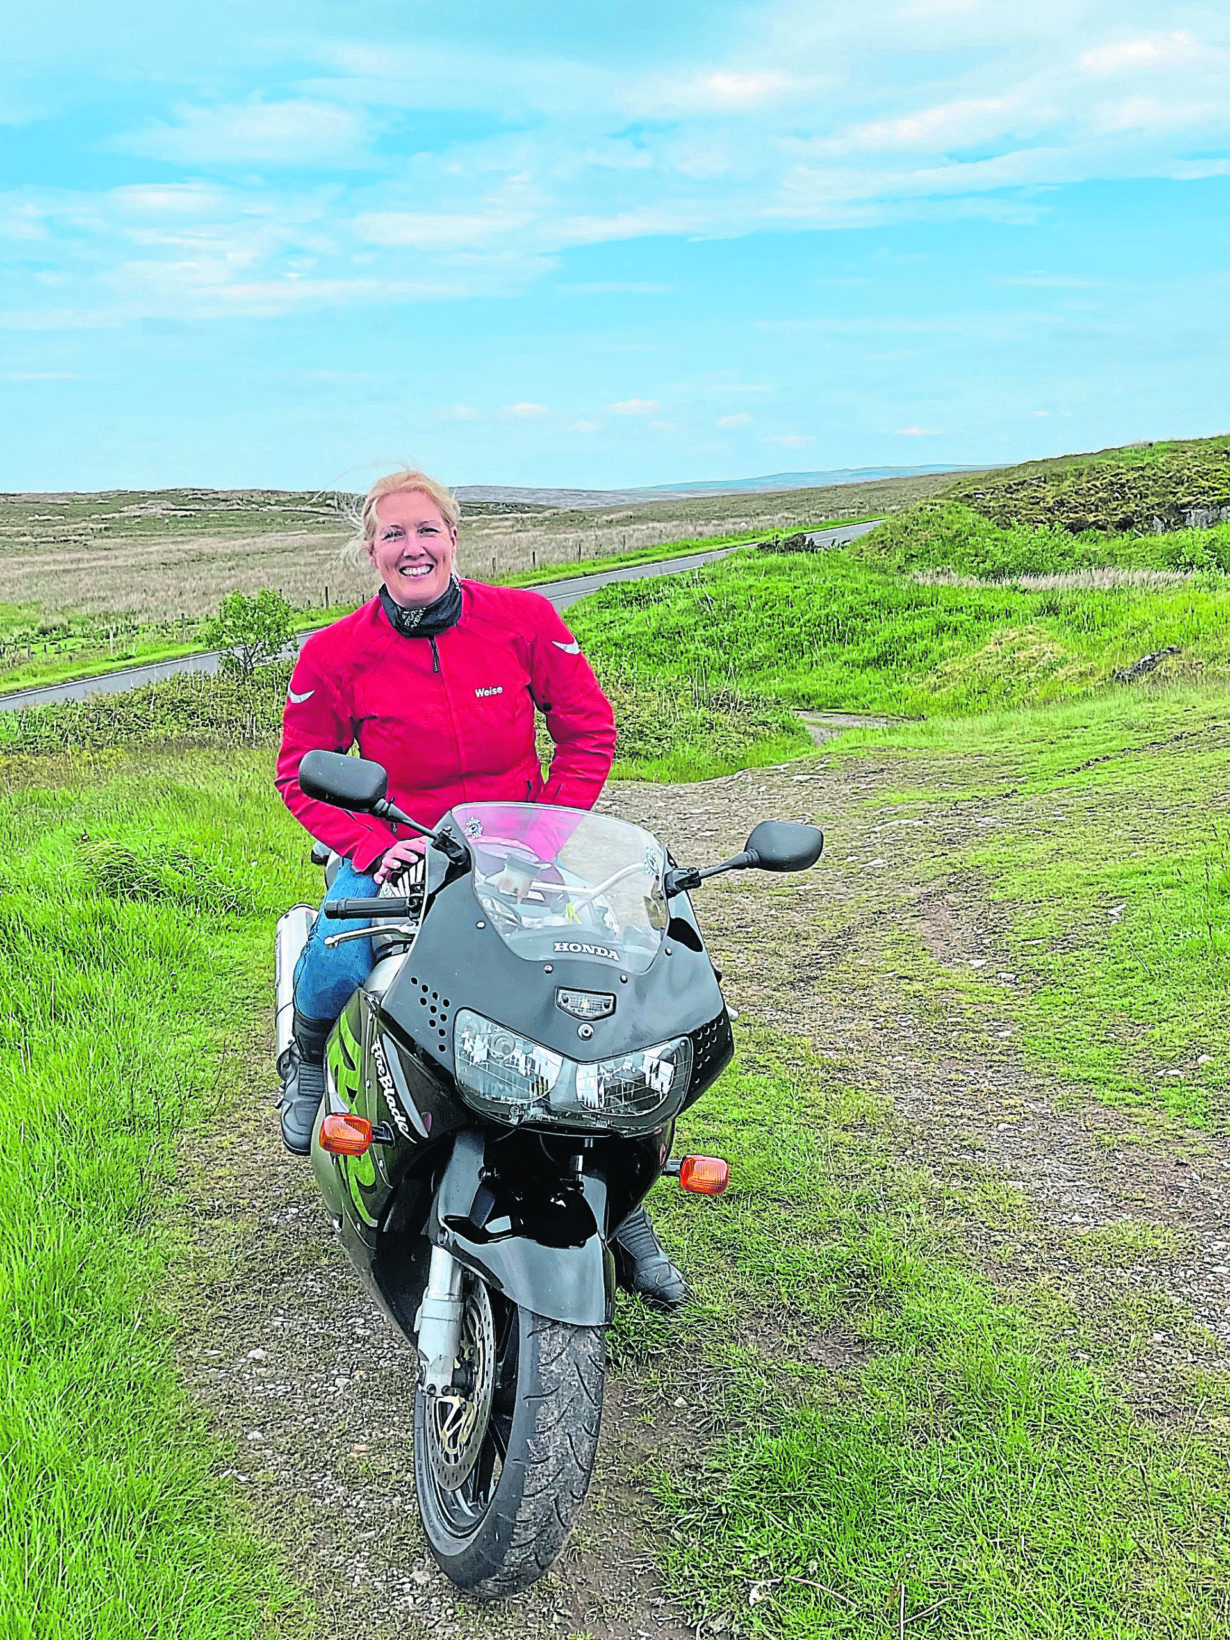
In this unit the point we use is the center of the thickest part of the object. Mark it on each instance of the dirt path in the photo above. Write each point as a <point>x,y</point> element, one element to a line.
<point>290,1361</point>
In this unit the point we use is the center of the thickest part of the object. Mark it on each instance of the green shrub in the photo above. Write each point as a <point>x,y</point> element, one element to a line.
<point>250,632</point>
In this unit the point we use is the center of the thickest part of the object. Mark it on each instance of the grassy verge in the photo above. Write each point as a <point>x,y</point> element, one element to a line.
<point>134,924</point>
<point>830,631</point>
<point>669,549</point>
<point>667,732</point>
<point>896,1444</point>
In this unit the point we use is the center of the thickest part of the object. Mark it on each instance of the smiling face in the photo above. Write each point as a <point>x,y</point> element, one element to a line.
<point>413,550</point>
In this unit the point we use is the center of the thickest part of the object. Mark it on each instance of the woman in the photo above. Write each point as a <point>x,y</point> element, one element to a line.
<point>437,679</point>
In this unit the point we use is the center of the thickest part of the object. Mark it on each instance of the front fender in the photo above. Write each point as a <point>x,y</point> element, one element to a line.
<point>574,1284</point>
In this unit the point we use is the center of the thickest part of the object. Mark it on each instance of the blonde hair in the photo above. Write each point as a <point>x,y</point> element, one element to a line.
<point>405,478</point>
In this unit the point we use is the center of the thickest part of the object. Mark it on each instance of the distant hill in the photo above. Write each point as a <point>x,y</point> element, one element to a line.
<point>801,481</point>
<point>769,483</point>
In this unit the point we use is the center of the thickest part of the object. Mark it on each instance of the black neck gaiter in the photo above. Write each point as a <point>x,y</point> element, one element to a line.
<point>431,620</point>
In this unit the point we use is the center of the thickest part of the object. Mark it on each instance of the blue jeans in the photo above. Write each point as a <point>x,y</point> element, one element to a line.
<point>324,979</point>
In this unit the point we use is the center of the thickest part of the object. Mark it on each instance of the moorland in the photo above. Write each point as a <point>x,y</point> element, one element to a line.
<point>89,583</point>
<point>958,1361</point>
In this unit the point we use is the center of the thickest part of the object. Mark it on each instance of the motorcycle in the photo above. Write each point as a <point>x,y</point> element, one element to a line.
<point>500,1094</point>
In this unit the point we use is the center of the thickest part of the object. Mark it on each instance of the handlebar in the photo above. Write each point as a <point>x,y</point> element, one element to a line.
<point>390,907</point>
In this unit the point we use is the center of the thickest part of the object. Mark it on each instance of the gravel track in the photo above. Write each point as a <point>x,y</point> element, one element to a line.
<point>289,1359</point>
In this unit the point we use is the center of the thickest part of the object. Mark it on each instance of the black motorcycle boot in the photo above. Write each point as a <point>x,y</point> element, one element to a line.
<point>643,1266</point>
<point>302,1067</point>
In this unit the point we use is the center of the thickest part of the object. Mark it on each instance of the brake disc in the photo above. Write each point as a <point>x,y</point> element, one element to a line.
<point>457,1420</point>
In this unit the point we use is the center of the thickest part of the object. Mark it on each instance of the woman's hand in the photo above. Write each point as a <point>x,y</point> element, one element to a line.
<point>401,854</point>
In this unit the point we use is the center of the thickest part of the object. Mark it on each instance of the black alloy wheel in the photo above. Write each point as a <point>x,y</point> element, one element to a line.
<point>503,1461</point>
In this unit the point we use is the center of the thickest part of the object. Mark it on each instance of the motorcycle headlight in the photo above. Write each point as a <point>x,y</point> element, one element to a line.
<point>498,1065</point>
<point>519,1078</point>
<point>633,1084</point>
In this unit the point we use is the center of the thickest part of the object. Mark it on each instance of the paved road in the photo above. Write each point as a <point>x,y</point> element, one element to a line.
<point>561,593</point>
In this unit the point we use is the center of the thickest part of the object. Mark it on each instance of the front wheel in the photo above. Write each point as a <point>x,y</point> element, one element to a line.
<point>503,1460</point>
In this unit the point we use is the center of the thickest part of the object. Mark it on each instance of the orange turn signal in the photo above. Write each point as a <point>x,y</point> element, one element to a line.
<point>704,1175</point>
<point>345,1135</point>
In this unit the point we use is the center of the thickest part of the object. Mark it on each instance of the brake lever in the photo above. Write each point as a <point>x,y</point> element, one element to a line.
<point>400,931</point>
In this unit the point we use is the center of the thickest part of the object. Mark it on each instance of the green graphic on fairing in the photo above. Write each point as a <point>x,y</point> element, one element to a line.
<point>345,1060</point>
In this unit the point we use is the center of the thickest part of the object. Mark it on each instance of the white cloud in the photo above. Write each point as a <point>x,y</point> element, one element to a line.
<point>527,409</point>
<point>1150,52</point>
<point>791,441</point>
<point>723,91</point>
<point>634,407</point>
<point>741,89</point>
<point>171,199</point>
<point>586,426</point>
<point>949,125</point>
<point>919,432</point>
<point>457,412</point>
<point>742,419</point>
<point>798,128</point>
<point>299,133</point>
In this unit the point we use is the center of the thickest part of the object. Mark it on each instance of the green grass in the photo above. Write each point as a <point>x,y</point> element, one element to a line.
<point>830,631</point>
<point>970,1444</point>
<point>666,732</point>
<point>955,1456</point>
<point>944,535</point>
<point>135,909</point>
<point>64,649</point>
<point>1110,874</point>
<point>653,555</point>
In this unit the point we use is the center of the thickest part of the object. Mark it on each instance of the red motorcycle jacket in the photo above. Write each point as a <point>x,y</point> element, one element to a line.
<point>450,718</point>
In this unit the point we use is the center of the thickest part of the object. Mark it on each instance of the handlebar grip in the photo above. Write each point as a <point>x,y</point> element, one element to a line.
<point>390,907</point>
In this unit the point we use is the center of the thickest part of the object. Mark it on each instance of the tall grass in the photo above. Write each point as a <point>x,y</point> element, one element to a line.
<point>830,631</point>
<point>134,923</point>
<point>946,535</point>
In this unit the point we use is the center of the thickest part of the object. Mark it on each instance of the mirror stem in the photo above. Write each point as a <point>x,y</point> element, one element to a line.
<point>685,878</point>
<point>443,840</point>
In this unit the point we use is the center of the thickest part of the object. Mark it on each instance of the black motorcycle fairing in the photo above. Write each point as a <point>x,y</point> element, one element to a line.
<point>458,961</point>
<point>573,1282</point>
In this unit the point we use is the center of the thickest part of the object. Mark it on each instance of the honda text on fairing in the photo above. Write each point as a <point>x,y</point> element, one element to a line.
<point>500,1094</point>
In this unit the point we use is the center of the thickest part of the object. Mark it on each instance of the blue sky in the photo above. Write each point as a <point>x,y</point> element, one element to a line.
<point>583,245</point>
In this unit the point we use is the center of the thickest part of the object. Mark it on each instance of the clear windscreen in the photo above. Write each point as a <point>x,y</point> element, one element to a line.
<point>557,883</point>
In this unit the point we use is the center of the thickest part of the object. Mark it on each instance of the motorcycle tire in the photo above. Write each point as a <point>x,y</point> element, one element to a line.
<point>502,1474</point>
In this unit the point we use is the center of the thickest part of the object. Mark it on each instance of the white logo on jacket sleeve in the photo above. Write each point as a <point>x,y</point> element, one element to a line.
<point>572,648</point>
<point>299,699</point>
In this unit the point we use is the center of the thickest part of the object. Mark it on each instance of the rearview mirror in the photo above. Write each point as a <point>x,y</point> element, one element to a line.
<point>346,782</point>
<point>784,845</point>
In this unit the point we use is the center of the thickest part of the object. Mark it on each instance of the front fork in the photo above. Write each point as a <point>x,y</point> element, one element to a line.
<point>438,1323</point>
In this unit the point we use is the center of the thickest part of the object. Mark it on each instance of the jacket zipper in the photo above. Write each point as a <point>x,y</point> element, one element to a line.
<point>435,655</point>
